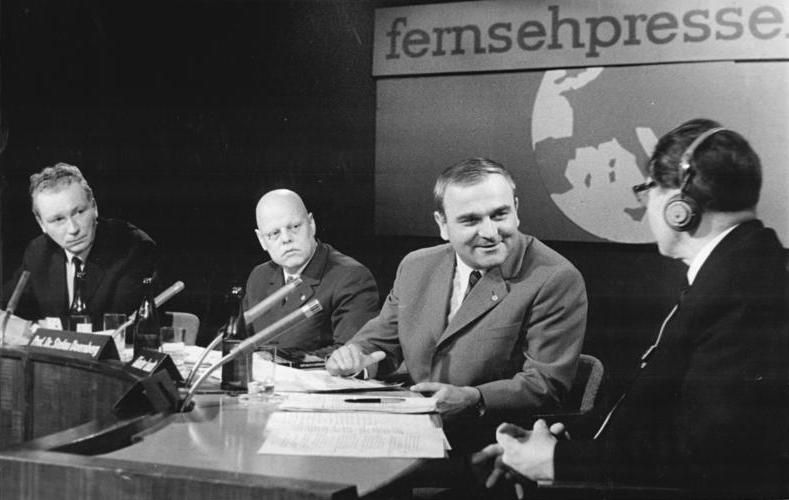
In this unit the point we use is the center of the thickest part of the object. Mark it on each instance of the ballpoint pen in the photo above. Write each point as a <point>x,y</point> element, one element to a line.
<point>374,400</point>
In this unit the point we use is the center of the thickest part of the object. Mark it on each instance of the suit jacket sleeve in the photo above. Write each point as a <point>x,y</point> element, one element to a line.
<point>355,303</point>
<point>381,333</point>
<point>140,263</point>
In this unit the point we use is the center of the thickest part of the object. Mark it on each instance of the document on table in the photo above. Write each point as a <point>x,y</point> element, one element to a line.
<point>353,435</point>
<point>288,379</point>
<point>349,402</point>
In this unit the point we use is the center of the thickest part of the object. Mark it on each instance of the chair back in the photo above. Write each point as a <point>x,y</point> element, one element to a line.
<point>188,321</point>
<point>586,384</point>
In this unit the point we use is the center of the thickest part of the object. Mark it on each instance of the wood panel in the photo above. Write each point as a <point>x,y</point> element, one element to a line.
<point>64,396</point>
<point>41,393</point>
<point>12,400</point>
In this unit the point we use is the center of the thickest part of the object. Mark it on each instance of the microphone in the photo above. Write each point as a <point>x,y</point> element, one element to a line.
<point>250,315</point>
<point>169,293</point>
<point>264,305</point>
<point>268,333</point>
<point>12,302</point>
<point>160,299</point>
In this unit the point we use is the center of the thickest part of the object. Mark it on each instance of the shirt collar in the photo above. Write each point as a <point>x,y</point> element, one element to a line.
<point>297,274</point>
<point>70,257</point>
<point>704,253</point>
<point>463,270</point>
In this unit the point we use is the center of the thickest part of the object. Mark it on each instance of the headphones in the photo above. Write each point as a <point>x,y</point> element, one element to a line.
<point>682,212</point>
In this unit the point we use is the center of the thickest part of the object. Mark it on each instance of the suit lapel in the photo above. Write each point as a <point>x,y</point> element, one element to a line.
<point>95,267</point>
<point>94,274</point>
<point>58,295</point>
<point>436,295</point>
<point>489,292</point>
<point>486,294</point>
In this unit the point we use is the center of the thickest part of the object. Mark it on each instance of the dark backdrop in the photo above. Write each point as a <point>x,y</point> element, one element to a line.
<point>181,113</point>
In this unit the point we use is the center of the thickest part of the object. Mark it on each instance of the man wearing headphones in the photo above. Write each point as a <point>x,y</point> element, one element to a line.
<point>706,411</point>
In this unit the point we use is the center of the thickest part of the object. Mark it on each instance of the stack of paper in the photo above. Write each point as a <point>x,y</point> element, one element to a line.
<point>359,434</point>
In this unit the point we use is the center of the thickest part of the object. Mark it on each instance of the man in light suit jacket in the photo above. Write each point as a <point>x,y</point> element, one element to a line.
<point>345,288</point>
<point>708,410</point>
<point>114,255</point>
<point>505,342</point>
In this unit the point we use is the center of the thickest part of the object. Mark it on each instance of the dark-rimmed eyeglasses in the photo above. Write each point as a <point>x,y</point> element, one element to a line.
<point>640,190</point>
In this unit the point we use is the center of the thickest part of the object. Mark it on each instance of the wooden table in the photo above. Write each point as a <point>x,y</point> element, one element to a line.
<point>210,452</point>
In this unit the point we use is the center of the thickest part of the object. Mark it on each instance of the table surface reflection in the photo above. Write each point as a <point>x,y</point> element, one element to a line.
<point>224,433</point>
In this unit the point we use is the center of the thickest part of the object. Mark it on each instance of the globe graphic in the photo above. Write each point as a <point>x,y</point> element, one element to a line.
<point>590,179</point>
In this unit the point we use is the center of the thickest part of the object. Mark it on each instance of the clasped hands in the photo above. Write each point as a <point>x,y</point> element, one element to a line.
<point>521,453</point>
<point>349,360</point>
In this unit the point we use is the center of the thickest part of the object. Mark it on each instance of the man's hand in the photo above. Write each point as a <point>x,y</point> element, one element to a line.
<point>349,360</point>
<point>519,452</point>
<point>530,455</point>
<point>450,399</point>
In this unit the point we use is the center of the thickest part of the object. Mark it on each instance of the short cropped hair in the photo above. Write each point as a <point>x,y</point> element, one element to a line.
<point>59,175</point>
<point>725,173</point>
<point>467,173</point>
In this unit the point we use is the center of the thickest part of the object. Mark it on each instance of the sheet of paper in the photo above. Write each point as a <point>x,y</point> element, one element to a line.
<point>288,379</point>
<point>350,402</point>
<point>353,435</point>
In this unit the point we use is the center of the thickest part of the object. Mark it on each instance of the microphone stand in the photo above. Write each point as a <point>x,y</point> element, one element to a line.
<point>160,299</point>
<point>276,329</point>
<point>12,302</point>
<point>250,315</point>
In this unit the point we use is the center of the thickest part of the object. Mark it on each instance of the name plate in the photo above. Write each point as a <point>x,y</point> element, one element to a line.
<point>74,344</point>
<point>148,362</point>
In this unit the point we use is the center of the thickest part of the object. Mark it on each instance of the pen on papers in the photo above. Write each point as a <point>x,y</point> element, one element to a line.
<point>374,400</point>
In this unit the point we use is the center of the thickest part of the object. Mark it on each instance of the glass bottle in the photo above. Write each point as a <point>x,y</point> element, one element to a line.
<point>146,324</point>
<point>78,310</point>
<point>237,372</point>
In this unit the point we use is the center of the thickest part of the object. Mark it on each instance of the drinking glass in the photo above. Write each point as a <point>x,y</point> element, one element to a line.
<point>264,381</point>
<point>80,323</point>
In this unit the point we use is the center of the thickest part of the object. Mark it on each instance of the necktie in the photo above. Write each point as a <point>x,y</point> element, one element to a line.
<point>79,278</point>
<point>289,279</point>
<point>77,264</point>
<point>473,278</point>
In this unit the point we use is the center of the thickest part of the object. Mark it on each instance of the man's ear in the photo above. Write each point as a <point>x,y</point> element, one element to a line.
<point>441,221</point>
<point>41,224</point>
<point>313,226</point>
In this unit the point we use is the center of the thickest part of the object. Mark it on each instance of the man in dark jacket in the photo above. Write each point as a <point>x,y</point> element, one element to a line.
<point>114,255</point>
<point>345,288</point>
<point>706,411</point>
